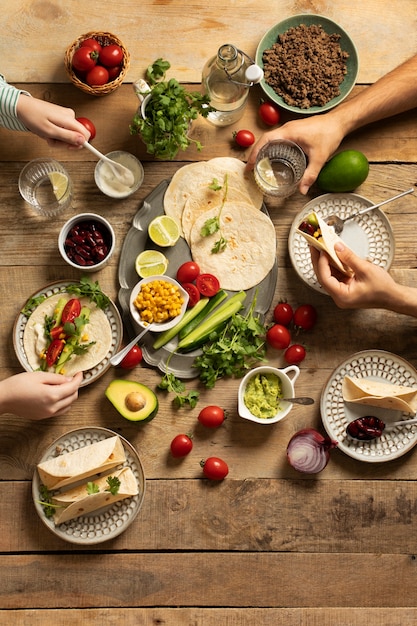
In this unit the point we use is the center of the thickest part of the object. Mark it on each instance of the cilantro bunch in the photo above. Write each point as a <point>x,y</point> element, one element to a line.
<point>169,113</point>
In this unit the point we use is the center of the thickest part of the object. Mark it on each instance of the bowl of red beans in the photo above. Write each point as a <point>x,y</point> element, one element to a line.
<point>87,242</point>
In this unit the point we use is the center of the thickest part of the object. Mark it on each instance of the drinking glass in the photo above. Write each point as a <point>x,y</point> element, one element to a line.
<point>279,168</point>
<point>46,185</point>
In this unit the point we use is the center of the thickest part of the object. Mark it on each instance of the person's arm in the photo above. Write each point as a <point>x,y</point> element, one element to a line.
<point>320,135</point>
<point>371,287</point>
<point>38,395</point>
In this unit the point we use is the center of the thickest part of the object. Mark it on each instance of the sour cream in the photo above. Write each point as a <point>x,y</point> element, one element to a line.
<point>110,184</point>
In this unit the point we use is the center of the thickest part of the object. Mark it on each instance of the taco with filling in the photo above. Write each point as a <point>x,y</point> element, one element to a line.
<point>66,335</point>
<point>380,394</point>
<point>323,237</point>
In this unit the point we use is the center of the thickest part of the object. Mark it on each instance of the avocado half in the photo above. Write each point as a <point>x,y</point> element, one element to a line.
<point>134,401</point>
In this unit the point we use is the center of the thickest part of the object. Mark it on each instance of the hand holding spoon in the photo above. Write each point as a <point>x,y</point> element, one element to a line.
<point>122,173</point>
<point>369,427</point>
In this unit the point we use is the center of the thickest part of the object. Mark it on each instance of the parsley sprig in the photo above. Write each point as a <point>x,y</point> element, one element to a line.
<point>171,383</point>
<point>92,290</point>
<point>212,225</point>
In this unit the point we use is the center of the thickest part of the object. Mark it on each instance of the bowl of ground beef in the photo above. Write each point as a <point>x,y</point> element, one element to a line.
<point>310,64</point>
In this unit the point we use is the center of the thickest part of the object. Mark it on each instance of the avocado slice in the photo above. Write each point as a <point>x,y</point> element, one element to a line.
<point>134,401</point>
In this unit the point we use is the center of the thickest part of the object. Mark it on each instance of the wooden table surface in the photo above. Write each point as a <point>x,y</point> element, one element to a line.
<point>267,545</point>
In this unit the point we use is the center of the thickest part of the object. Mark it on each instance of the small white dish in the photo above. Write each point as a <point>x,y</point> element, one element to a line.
<point>106,230</point>
<point>164,325</point>
<point>106,180</point>
<point>288,376</point>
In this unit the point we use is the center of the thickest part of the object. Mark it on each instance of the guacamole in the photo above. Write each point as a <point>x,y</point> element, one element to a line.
<point>262,395</point>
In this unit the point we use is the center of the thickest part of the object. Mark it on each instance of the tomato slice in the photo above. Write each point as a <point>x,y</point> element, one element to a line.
<point>56,331</point>
<point>52,354</point>
<point>193,294</point>
<point>72,309</point>
<point>208,285</point>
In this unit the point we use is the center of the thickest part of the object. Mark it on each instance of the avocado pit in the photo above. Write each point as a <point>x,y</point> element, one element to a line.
<point>135,401</point>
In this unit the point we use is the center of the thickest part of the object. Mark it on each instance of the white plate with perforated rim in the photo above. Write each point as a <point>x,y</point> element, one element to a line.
<point>369,235</point>
<point>336,414</point>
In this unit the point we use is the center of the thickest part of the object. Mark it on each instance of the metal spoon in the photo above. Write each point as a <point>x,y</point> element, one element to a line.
<point>119,356</point>
<point>369,427</point>
<point>123,174</point>
<point>300,400</point>
<point>338,222</point>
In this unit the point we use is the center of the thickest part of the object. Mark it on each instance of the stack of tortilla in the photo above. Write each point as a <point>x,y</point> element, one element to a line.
<point>380,394</point>
<point>220,188</point>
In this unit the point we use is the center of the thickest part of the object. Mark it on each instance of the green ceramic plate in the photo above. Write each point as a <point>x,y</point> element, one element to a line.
<point>329,27</point>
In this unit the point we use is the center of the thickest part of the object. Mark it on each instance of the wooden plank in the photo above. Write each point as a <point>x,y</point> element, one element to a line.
<point>148,33</point>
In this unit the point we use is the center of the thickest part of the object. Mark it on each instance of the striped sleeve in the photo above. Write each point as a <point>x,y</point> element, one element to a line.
<point>9,96</point>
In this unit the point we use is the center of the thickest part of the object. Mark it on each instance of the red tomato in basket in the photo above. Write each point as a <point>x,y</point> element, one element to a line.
<point>111,55</point>
<point>84,59</point>
<point>91,43</point>
<point>99,75</point>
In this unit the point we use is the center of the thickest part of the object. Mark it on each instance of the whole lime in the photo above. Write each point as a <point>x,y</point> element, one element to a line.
<point>343,172</point>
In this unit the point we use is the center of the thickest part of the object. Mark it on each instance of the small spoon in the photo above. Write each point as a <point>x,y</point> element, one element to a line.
<point>119,356</point>
<point>123,173</point>
<point>300,400</point>
<point>369,427</point>
<point>338,222</point>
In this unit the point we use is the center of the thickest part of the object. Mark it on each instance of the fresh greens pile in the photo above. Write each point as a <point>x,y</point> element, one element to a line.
<point>169,113</point>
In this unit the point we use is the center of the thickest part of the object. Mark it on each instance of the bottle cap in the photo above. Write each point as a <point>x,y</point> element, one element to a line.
<point>254,74</point>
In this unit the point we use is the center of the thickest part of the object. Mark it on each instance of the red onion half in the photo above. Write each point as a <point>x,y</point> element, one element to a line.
<point>308,451</point>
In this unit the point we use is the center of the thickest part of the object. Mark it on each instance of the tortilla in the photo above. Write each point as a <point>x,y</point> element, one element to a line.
<point>379,394</point>
<point>76,465</point>
<point>250,251</point>
<point>196,178</point>
<point>327,242</point>
<point>98,330</point>
<point>78,501</point>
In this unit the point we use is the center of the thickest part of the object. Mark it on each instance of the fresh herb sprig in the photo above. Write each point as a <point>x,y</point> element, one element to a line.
<point>92,290</point>
<point>235,349</point>
<point>212,225</point>
<point>171,383</point>
<point>169,113</point>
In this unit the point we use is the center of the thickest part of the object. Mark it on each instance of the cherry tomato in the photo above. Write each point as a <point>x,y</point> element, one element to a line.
<point>97,76</point>
<point>111,55</point>
<point>295,354</point>
<point>244,138</point>
<point>114,71</point>
<point>89,126</point>
<point>132,358</point>
<point>193,294</point>
<point>269,113</point>
<point>181,445</point>
<point>54,350</point>
<point>283,313</point>
<point>214,468</point>
<point>207,284</point>
<point>278,337</point>
<point>91,43</point>
<point>84,59</point>
<point>212,416</point>
<point>188,272</point>
<point>305,316</point>
<point>71,310</point>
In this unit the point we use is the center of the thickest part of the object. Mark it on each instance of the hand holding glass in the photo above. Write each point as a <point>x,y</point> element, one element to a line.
<point>279,168</point>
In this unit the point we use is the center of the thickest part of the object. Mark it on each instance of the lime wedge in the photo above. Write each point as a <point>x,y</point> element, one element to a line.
<point>266,171</point>
<point>60,186</point>
<point>164,231</point>
<point>151,263</point>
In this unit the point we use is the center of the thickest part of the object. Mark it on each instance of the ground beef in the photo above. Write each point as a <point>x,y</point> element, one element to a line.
<point>305,66</point>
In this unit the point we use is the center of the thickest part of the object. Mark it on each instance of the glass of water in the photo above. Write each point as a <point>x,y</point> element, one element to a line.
<point>46,185</point>
<point>279,168</point>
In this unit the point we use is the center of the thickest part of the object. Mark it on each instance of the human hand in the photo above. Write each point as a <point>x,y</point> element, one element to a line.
<point>52,122</point>
<point>318,136</point>
<point>370,286</point>
<point>38,395</point>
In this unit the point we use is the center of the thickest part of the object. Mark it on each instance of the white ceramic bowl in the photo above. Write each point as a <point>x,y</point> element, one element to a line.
<point>105,180</point>
<point>165,325</point>
<point>288,377</point>
<point>88,218</point>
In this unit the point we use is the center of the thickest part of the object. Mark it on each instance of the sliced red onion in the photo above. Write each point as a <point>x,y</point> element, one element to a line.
<point>308,451</point>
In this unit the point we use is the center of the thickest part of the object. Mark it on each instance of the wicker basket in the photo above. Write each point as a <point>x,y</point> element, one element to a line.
<point>104,39</point>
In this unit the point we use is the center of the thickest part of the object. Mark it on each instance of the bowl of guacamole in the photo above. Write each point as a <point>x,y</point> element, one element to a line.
<point>261,394</point>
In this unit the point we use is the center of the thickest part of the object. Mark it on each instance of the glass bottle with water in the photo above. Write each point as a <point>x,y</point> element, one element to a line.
<point>227,78</point>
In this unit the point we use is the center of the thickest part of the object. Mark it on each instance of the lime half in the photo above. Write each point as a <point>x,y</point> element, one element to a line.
<point>60,185</point>
<point>151,263</point>
<point>164,231</point>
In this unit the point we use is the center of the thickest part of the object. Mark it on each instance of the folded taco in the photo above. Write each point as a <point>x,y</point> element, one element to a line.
<point>76,465</point>
<point>72,350</point>
<point>379,394</point>
<point>91,497</point>
<point>323,237</point>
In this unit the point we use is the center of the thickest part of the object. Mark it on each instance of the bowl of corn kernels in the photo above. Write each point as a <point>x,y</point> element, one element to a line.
<point>158,302</point>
